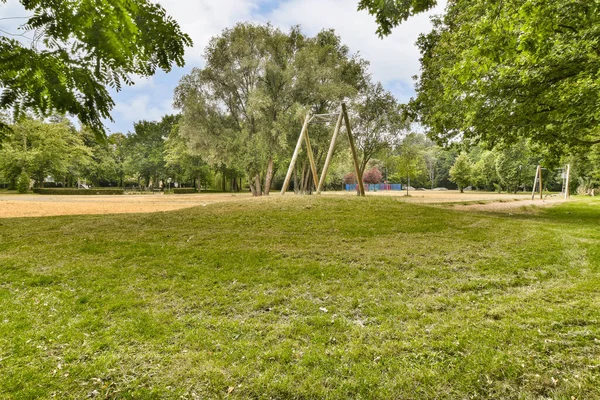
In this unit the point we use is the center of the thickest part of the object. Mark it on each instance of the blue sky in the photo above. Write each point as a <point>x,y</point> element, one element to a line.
<point>393,60</point>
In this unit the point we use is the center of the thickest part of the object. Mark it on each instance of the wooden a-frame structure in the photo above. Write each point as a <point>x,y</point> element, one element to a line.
<point>343,114</point>
<point>566,172</point>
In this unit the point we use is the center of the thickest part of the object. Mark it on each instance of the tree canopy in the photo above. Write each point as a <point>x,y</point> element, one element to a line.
<point>500,71</point>
<point>257,82</point>
<point>80,48</point>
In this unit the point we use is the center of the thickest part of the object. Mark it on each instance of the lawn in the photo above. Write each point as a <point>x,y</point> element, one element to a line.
<point>303,297</point>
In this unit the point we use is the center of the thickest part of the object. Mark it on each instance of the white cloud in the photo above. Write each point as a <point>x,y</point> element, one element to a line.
<point>203,19</point>
<point>141,107</point>
<point>394,57</point>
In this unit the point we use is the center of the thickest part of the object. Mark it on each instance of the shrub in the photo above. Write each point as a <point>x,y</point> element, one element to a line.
<point>23,182</point>
<point>183,190</point>
<point>350,178</point>
<point>372,176</point>
<point>78,191</point>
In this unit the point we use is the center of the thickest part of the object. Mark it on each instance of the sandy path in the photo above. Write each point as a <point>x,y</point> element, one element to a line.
<point>43,205</point>
<point>513,206</point>
<point>50,205</point>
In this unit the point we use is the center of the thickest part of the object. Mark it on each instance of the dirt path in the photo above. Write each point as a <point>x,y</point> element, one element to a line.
<point>47,205</point>
<point>512,206</point>
<point>42,205</point>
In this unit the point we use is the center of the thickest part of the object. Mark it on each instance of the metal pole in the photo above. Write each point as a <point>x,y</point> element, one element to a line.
<point>329,154</point>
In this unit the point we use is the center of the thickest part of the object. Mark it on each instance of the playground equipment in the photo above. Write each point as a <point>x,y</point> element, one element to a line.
<point>537,181</point>
<point>343,114</point>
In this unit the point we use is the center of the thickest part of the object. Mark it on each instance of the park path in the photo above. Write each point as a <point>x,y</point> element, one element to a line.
<point>12,206</point>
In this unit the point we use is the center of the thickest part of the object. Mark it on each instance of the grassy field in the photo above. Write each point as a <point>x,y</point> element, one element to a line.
<point>301,298</point>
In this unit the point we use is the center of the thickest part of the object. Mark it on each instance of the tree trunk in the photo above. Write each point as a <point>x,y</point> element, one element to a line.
<point>257,185</point>
<point>252,188</point>
<point>223,182</point>
<point>269,177</point>
<point>296,179</point>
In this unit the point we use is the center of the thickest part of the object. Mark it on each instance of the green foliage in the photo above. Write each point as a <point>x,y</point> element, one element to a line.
<point>93,191</point>
<point>518,69</point>
<point>391,13</point>
<point>460,173</point>
<point>184,190</point>
<point>23,182</point>
<point>87,46</point>
<point>513,167</point>
<point>145,149</point>
<point>244,108</point>
<point>42,149</point>
<point>376,123</point>
<point>408,160</point>
<point>484,173</point>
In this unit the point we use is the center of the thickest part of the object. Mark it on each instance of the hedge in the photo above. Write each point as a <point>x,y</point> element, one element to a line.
<point>78,191</point>
<point>183,190</point>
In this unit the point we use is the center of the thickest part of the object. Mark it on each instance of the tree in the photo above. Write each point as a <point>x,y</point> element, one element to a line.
<point>513,167</point>
<point>484,171</point>
<point>503,71</point>
<point>146,149</point>
<point>41,149</point>
<point>85,46</point>
<point>372,176</point>
<point>409,160</point>
<point>460,173</point>
<point>377,122</point>
<point>431,157</point>
<point>245,107</point>
<point>183,163</point>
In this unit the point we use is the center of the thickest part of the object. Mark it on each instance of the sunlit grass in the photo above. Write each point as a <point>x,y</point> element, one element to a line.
<point>303,298</point>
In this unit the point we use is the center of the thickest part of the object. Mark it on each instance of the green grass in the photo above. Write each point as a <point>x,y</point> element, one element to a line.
<point>303,298</point>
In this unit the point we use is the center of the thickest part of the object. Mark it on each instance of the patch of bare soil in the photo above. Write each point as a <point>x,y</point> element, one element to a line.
<point>12,206</point>
<point>519,206</point>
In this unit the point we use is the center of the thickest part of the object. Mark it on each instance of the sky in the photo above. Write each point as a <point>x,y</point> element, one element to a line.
<point>393,59</point>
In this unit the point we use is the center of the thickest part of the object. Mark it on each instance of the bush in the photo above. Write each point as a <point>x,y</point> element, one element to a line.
<point>183,190</point>
<point>78,191</point>
<point>372,176</point>
<point>23,182</point>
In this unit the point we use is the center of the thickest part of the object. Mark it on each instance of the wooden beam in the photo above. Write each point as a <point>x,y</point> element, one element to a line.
<point>286,182</point>
<point>541,185</point>
<point>330,153</point>
<point>353,149</point>
<point>535,180</point>
<point>311,157</point>
<point>567,192</point>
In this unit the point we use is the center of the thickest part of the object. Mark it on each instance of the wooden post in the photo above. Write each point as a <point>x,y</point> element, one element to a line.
<point>353,149</point>
<point>286,182</point>
<point>535,180</point>
<point>311,157</point>
<point>330,153</point>
<point>567,193</point>
<point>541,185</point>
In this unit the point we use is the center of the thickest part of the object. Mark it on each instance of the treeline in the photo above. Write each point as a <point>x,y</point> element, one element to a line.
<point>240,117</point>
<point>56,154</point>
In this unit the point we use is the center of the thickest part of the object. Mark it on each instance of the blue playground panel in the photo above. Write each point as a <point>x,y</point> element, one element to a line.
<point>374,188</point>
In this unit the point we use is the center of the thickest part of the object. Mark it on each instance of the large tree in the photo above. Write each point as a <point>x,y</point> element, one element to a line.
<point>145,149</point>
<point>78,49</point>
<point>42,149</point>
<point>245,106</point>
<point>503,70</point>
<point>376,123</point>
